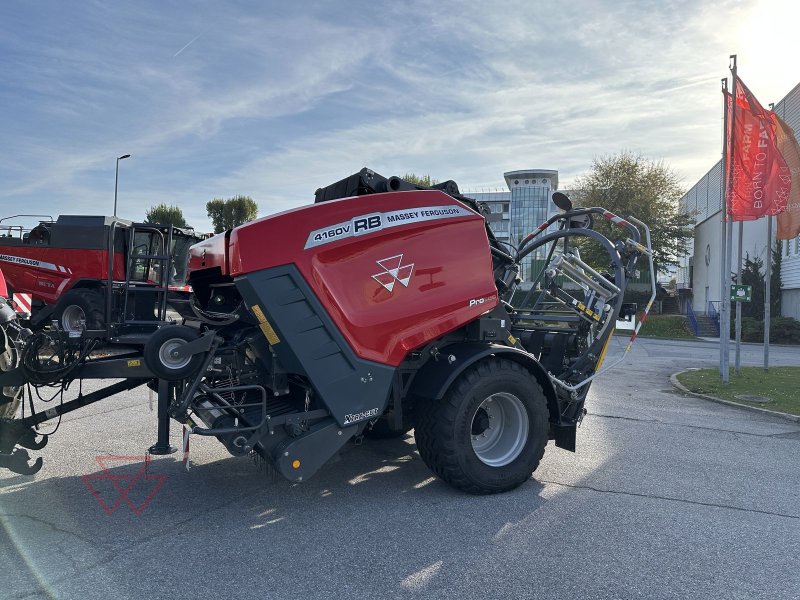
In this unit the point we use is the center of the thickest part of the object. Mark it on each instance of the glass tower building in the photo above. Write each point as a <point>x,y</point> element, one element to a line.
<point>520,210</point>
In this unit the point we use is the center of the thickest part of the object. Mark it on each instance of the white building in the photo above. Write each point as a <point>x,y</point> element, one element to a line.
<point>699,276</point>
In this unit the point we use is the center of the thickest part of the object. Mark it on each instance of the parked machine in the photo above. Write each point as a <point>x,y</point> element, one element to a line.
<point>93,271</point>
<point>382,307</point>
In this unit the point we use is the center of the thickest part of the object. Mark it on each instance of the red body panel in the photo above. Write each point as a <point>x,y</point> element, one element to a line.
<point>384,306</point>
<point>209,253</point>
<point>3,287</point>
<point>47,272</point>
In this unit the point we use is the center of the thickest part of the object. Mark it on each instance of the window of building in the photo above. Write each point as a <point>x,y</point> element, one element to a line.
<point>500,227</point>
<point>786,248</point>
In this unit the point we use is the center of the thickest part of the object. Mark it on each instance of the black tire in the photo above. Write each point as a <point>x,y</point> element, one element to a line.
<point>382,431</point>
<point>10,396</point>
<point>161,343</point>
<point>445,430</point>
<point>80,309</point>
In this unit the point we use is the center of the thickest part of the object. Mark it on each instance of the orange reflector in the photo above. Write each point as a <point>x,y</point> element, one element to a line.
<point>295,464</point>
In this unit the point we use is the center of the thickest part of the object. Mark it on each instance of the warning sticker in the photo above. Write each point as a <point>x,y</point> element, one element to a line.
<point>265,326</point>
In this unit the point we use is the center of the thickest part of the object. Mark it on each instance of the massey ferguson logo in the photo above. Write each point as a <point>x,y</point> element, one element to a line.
<point>394,271</point>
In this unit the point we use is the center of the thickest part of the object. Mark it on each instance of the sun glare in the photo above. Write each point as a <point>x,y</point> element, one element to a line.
<point>766,44</point>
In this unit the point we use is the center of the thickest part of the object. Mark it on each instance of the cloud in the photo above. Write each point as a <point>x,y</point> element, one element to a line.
<point>278,100</point>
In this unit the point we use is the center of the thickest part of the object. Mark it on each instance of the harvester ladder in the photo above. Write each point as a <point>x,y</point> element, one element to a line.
<point>159,265</point>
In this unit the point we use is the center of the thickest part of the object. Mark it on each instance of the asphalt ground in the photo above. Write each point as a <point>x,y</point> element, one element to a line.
<point>668,496</point>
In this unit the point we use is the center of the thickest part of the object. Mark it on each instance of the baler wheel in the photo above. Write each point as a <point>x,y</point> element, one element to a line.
<point>381,431</point>
<point>80,309</point>
<point>159,357</point>
<point>488,433</point>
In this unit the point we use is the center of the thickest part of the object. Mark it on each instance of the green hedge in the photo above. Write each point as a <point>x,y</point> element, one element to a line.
<point>782,330</point>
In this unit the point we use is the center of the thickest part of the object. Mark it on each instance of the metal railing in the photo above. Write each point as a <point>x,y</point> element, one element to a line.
<point>692,318</point>
<point>713,312</point>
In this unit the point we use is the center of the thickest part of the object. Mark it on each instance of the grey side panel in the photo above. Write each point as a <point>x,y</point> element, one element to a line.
<point>310,344</point>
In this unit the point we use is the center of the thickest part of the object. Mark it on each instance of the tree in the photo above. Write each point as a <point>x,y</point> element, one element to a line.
<point>775,282</point>
<point>629,184</point>
<point>423,180</point>
<point>227,214</point>
<point>753,275</point>
<point>165,215</point>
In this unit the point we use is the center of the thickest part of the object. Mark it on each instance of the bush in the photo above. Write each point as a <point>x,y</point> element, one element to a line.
<point>782,330</point>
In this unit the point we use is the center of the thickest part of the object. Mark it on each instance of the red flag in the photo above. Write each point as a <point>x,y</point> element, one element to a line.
<point>755,187</point>
<point>789,220</point>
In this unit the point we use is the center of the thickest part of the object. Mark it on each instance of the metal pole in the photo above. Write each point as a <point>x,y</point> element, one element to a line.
<point>767,302</point>
<point>768,279</point>
<point>739,304</point>
<point>725,336</point>
<point>727,292</point>
<point>116,181</point>
<point>724,235</point>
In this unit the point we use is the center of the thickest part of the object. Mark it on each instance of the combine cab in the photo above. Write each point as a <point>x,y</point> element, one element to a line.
<point>382,307</point>
<point>91,272</point>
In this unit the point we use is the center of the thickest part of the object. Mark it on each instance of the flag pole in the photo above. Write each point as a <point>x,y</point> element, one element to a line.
<point>729,252</point>
<point>767,302</point>
<point>768,284</point>
<point>739,304</point>
<point>722,213</point>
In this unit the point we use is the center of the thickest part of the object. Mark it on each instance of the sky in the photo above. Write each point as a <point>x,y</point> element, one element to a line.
<point>275,99</point>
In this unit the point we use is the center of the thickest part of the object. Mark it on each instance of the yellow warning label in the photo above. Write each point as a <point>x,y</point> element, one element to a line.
<point>265,326</point>
<point>512,340</point>
<point>135,362</point>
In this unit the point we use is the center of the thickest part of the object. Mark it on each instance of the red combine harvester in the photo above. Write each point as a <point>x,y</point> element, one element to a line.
<point>90,272</point>
<point>382,307</point>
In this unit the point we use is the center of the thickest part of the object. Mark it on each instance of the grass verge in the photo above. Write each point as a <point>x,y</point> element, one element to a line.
<point>664,326</point>
<point>779,384</point>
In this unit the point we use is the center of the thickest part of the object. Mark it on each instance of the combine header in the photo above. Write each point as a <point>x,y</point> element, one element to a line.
<point>382,307</point>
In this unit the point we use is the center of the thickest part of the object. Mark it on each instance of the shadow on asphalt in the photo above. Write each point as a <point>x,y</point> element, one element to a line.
<point>233,502</point>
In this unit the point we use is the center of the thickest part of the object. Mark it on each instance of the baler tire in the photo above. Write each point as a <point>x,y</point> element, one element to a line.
<point>73,303</point>
<point>445,429</point>
<point>382,431</point>
<point>157,348</point>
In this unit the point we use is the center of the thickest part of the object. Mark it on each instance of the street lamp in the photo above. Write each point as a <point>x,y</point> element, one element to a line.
<point>116,181</point>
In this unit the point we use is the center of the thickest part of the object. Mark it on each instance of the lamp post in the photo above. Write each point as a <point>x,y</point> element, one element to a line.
<point>116,180</point>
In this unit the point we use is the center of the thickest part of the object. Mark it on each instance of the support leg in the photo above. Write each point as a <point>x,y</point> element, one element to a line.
<point>162,443</point>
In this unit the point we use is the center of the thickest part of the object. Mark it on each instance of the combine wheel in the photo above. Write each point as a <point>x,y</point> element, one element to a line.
<point>488,433</point>
<point>10,396</point>
<point>159,353</point>
<point>80,309</point>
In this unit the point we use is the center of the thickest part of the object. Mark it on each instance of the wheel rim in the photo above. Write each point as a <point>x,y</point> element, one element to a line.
<point>73,318</point>
<point>499,429</point>
<point>165,354</point>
